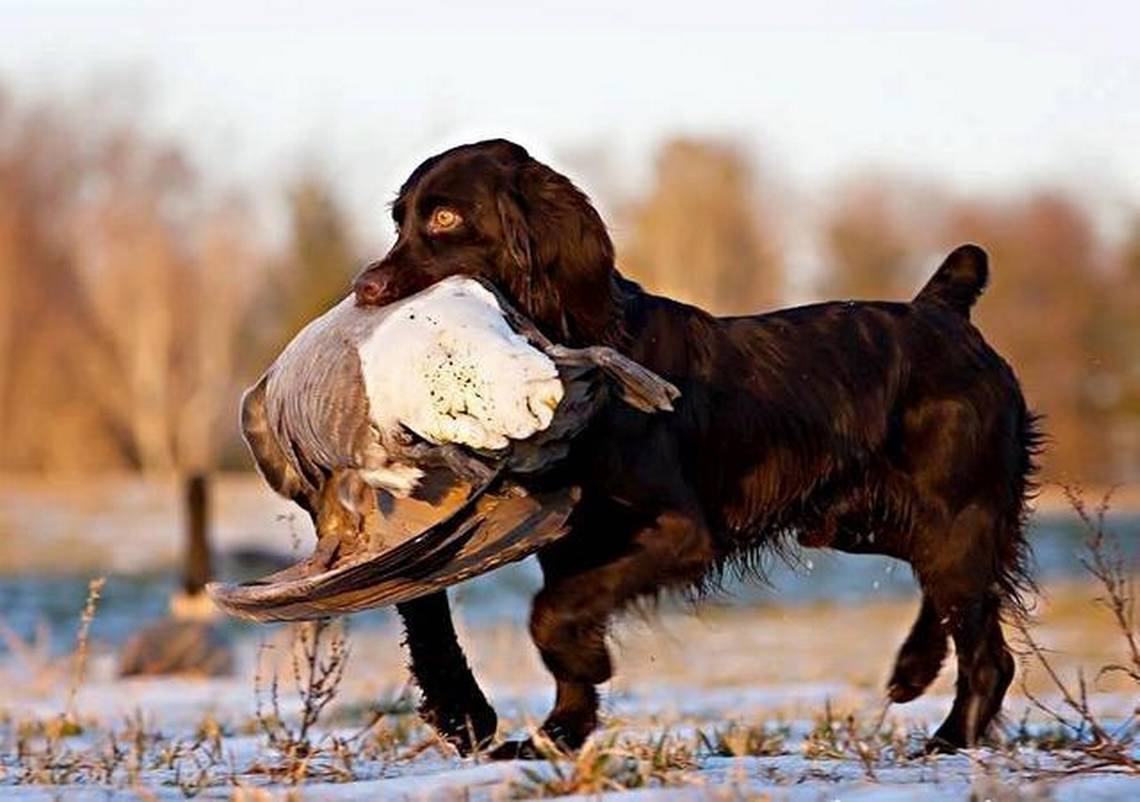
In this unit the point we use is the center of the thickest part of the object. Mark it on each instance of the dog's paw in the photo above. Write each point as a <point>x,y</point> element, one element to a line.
<point>905,689</point>
<point>937,745</point>
<point>916,667</point>
<point>524,749</point>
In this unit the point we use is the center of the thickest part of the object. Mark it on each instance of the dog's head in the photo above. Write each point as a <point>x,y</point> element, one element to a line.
<point>490,210</point>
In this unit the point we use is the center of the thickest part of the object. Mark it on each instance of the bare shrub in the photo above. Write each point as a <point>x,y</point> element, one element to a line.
<point>1090,742</point>
<point>318,656</point>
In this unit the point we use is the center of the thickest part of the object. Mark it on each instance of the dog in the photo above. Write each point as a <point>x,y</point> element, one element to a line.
<point>867,427</point>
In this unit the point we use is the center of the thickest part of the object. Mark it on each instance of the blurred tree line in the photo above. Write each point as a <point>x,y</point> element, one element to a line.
<point>1063,304</point>
<point>136,303</point>
<point>136,300</point>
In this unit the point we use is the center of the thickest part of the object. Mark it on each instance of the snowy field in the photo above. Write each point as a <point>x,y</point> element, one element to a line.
<point>780,703</point>
<point>772,693</point>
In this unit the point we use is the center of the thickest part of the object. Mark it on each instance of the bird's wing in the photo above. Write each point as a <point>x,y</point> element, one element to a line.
<point>315,400</point>
<point>636,385</point>
<point>493,530</point>
<point>277,464</point>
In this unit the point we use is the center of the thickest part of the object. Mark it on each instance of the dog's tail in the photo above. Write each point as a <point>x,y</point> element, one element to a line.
<point>957,284</point>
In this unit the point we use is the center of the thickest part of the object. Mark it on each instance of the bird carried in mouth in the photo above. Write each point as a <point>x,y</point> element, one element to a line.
<point>409,433</point>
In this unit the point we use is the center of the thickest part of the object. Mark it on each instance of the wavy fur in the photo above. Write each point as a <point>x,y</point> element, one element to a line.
<point>869,427</point>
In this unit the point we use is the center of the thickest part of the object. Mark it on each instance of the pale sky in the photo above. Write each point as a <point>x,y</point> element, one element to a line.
<point>987,97</point>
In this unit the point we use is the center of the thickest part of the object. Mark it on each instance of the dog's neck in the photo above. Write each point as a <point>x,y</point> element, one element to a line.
<point>588,314</point>
<point>575,314</point>
<point>596,316</point>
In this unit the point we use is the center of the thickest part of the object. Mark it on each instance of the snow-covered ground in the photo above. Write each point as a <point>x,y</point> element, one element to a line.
<point>726,704</point>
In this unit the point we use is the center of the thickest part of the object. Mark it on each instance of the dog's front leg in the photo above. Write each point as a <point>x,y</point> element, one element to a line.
<point>572,613</point>
<point>452,701</point>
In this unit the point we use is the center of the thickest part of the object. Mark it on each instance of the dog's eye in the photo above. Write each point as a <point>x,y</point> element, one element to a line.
<point>444,219</point>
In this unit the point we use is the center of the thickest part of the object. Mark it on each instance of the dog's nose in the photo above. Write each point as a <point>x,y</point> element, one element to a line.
<point>370,289</point>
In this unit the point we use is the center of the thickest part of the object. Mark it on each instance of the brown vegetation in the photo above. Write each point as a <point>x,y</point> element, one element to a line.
<point>128,290</point>
<point>136,299</point>
<point>701,234</point>
<point>1084,727</point>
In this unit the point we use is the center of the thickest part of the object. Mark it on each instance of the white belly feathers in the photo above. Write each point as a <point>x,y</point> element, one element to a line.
<point>445,364</point>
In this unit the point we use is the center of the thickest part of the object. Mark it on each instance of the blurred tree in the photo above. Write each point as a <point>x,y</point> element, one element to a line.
<point>702,234</point>
<point>229,268</point>
<point>120,306</point>
<point>312,272</point>
<point>1122,341</point>
<point>322,254</point>
<point>45,327</point>
<point>132,263</point>
<point>873,236</point>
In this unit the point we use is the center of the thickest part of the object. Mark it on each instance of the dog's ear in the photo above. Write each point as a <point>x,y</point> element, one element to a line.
<point>527,280</point>
<point>563,258</point>
<point>516,234</point>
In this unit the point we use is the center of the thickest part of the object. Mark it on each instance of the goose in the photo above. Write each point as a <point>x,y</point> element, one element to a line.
<point>408,432</point>
<point>189,640</point>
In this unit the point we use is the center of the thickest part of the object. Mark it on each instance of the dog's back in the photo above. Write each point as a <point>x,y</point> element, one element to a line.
<point>788,416</point>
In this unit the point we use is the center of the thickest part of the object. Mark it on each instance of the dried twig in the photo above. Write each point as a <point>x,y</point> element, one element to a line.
<point>94,591</point>
<point>318,665</point>
<point>1098,745</point>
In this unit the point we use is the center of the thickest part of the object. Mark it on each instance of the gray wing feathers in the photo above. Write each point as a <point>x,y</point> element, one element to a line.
<point>315,403</point>
<point>278,467</point>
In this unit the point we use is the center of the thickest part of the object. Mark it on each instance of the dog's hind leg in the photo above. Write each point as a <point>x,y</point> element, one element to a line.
<point>920,657</point>
<point>965,590</point>
<point>985,671</point>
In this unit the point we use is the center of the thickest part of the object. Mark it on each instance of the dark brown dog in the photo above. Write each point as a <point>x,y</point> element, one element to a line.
<point>884,428</point>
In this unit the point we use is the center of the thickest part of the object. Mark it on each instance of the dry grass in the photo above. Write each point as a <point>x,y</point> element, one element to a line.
<point>737,739</point>
<point>850,736</point>
<point>82,640</point>
<point>610,763</point>
<point>317,718</point>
